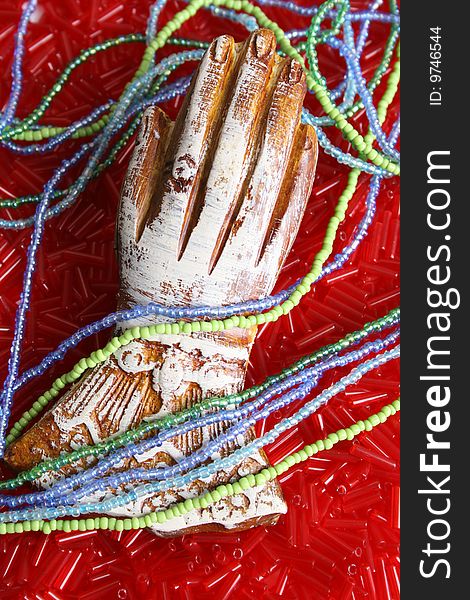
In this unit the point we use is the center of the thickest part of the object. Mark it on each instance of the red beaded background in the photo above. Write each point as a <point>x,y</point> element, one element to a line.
<point>340,537</point>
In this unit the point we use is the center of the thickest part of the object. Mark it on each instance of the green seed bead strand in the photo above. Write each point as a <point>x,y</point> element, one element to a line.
<point>196,410</point>
<point>387,98</point>
<point>121,142</point>
<point>316,36</point>
<point>20,131</point>
<point>189,43</point>
<point>211,497</point>
<point>29,199</point>
<point>89,130</point>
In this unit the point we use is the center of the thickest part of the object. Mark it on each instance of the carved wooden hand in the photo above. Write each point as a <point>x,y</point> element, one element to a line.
<point>210,207</point>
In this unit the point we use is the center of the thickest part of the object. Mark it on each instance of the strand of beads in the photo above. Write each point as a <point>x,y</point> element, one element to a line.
<point>208,498</point>
<point>353,63</point>
<point>152,21</point>
<point>16,69</point>
<point>132,435</point>
<point>120,499</point>
<point>167,93</point>
<point>22,131</point>
<point>72,193</point>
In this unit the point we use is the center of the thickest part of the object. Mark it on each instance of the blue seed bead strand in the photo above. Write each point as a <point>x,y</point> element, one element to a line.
<point>13,362</point>
<point>59,138</point>
<point>366,97</point>
<point>17,65</point>
<point>361,40</point>
<point>247,21</point>
<point>152,21</point>
<point>304,11</point>
<point>344,158</point>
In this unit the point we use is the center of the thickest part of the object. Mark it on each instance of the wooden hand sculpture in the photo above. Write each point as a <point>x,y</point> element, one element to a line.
<point>210,208</point>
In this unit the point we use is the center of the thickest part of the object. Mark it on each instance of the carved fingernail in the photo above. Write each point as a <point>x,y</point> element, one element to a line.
<point>264,43</point>
<point>221,48</point>
<point>291,72</point>
<point>295,72</point>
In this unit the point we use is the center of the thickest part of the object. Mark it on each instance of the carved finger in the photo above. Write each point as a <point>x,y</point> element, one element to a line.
<point>289,206</point>
<point>194,134</point>
<point>141,178</point>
